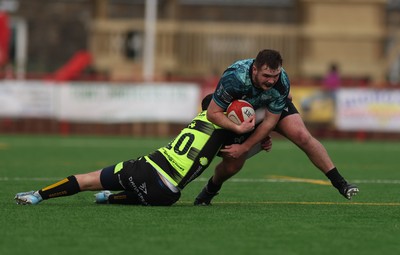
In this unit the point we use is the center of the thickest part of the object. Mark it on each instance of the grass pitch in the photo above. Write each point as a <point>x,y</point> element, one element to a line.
<point>278,204</point>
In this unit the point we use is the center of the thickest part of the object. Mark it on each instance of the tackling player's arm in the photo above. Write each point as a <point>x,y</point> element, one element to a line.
<point>261,132</point>
<point>216,115</point>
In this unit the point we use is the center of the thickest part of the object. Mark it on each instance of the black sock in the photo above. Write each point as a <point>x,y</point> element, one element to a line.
<point>212,187</point>
<point>66,187</point>
<point>336,179</point>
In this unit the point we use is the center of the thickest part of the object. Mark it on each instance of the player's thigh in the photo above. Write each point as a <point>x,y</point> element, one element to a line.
<point>293,128</point>
<point>109,178</point>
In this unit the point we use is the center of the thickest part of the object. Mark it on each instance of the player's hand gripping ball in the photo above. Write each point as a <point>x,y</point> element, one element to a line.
<point>239,110</point>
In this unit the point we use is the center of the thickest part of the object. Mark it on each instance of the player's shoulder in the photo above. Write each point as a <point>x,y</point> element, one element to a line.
<point>241,66</point>
<point>243,63</point>
<point>239,70</point>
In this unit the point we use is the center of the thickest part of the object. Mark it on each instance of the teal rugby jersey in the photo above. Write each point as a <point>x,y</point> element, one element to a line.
<point>236,83</point>
<point>190,153</point>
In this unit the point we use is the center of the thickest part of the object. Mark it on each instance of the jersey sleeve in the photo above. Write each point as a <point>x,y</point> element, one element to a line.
<point>225,92</point>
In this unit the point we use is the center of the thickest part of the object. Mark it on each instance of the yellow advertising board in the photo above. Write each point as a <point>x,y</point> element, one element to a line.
<point>314,104</point>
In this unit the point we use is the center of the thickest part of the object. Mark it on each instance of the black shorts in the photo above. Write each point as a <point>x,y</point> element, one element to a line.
<point>140,178</point>
<point>289,109</point>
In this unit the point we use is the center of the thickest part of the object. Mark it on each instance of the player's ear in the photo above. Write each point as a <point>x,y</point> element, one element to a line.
<point>254,69</point>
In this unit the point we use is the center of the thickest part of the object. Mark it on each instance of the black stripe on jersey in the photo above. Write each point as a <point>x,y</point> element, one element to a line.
<point>193,152</point>
<point>202,126</point>
<point>209,151</point>
<point>158,158</point>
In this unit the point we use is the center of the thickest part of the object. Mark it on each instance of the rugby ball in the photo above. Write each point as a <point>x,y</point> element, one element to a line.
<point>239,110</point>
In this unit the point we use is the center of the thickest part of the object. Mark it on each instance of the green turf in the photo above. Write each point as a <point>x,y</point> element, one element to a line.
<point>260,211</point>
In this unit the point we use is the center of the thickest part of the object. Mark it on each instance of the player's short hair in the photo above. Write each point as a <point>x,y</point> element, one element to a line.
<point>271,58</point>
<point>206,102</point>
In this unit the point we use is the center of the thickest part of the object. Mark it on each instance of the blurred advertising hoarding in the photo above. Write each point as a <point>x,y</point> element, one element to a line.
<point>100,102</point>
<point>368,110</point>
<point>314,105</point>
<point>163,102</point>
<point>19,99</point>
<point>350,109</point>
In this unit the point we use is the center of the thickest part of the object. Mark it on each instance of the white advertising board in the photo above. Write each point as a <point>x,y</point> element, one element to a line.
<point>119,103</point>
<point>100,102</point>
<point>22,99</point>
<point>368,109</point>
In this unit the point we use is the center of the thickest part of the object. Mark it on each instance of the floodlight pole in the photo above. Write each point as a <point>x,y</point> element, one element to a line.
<point>149,39</point>
<point>21,48</point>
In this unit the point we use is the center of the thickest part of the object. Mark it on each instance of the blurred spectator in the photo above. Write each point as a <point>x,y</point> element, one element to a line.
<point>332,79</point>
<point>330,84</point>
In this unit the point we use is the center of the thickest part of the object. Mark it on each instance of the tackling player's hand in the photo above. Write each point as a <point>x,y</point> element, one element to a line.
<point>234,150</point>
<point>266,144</point>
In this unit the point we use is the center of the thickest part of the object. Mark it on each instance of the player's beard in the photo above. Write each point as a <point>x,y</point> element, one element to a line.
<point>263,86</point>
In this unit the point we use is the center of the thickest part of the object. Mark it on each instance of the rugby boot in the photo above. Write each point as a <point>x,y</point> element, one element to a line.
<point>205,197</point>
<point>102,196</point>
<point>28,198</point>
<point>348,190</point>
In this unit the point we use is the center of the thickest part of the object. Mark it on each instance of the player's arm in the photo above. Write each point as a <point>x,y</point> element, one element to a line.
<point>261,132</point>
<point>216,115</point>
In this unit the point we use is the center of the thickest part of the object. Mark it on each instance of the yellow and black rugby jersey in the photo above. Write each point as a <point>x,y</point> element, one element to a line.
<point>191,152</point>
